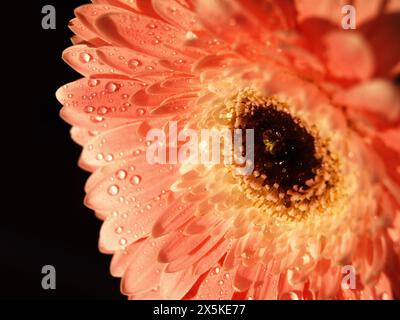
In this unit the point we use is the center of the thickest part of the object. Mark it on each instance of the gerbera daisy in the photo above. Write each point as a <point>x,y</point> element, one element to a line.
<point>325,110</point>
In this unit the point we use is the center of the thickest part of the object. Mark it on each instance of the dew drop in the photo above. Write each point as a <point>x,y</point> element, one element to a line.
<point>151,26</point>
<point>134,63</point>
<point>140,111</point>
<point>109,157</point>
<point>111,87</point>
<point>89,109</point>
<point>136,180</point>
<point>122,241</point>
<point>97,119</point>
<point>93,82</point>
<point>102,110</point>
<point>85,57</point>
<point>190,36</point>
<point>113,190</point>
<point>119,230</point>
<point>121,174</point>
<point>172,10</point>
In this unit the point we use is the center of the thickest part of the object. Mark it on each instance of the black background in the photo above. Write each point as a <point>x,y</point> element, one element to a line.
<point>43,220</point>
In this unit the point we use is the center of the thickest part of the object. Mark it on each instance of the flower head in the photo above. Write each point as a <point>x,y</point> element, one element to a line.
<point>324,108</point>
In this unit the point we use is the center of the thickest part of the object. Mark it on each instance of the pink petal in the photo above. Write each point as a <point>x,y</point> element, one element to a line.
<point>179,246</point>
<point>176,14</point>
<point>202,224</point>
<point>265,286</point>
<point>244,277</point>
<point>142,182</point>
<point>87,14</point>
<point>122,258</point>
<point>173,218</point>
<point>128,61</point>
<point>81,136</point>
<point>218,284</point>
<point>114,145</point>
<point>196,254</point>
<point>102,99</point>
<point>86,61</point>
<point>391,138</point>
<point>144,272</point>
<point>93,123</point>
<point>382,35</point>
<point>85,34</point>
<point>149,36</point>
<point>348,56</point>
<point>228,21</point>
<point>377,97</point>
<point>176,285</point>
<point>129,226</point>
<point>325,9</point>
<point>212,257</point>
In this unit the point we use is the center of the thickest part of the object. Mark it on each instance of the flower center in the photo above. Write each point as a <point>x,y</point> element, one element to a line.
<point>284,151</point>
<point>295,173</point>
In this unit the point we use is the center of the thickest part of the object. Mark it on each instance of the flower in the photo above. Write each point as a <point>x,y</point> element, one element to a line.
<point>325,109</point>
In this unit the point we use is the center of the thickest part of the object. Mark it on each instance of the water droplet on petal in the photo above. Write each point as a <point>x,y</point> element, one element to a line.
<point>134,63</point>
<point>109,157</point>
<point>102,110</point>
<point>151,26</point>
<point>140,111</point>
<point>113,190</point>
<point>85,57</point>
<point>121,174</point>
<point>89,109</point>
<point>93,82</point>
<point>111,87</point>
<point>190,36</point>
<point>122,241</point>
<point>119,230</point>
<point>97,119</point>
<point>136,180</point>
